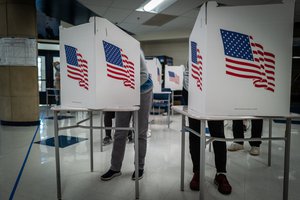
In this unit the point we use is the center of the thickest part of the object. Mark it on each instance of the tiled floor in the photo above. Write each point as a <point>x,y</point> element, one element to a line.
<point>249,176</point>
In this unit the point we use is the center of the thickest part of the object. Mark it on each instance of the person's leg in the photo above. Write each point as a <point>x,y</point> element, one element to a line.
<point>238,130</point>
<point>108,116</point>
<point>118,151</point>
<point>216,129</point>
<point>145,104</point>
<point>256,131</point>
<point>194,145</point>
<point>130,136</point>
<point>117,155</point>
<point>144,111</point>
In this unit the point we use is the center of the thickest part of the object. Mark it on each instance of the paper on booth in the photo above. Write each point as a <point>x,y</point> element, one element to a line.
<point>155,70</point>
<point>174,77</point>
<point>100,66</point>
<point>240,60</point>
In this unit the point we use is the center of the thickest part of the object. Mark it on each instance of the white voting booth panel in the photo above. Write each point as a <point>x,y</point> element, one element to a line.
<point>174,77</point>
<point>240,60</point>
<point>100,66</point>
<point>155,68</point>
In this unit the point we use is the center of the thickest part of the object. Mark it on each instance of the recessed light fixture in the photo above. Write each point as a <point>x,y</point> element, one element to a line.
<point>155,6</point>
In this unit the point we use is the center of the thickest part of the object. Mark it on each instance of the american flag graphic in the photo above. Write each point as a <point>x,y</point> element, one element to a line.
<point>247,59</point>
<point>196,65</point>
<point>173,77</point>
<point>118,65</point>
<point>77,66</point>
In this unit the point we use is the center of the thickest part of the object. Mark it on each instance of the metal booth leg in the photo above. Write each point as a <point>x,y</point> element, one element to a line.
<point>57,159</point>
<point>101,131</point>
<point>270,143</point>
<point>91,141</point>
<point>202,159</point>
<point>182,152</point>
<point>136,150</point>
<point>287,159</point>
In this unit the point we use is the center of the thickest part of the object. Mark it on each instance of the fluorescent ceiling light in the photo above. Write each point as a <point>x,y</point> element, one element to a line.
<point>152,4</point>
<point>155,6</point>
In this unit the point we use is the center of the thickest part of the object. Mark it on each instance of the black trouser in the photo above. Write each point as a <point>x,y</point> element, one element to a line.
<point>256,130</point>
<point>108,116</point>
<point>216,129</point>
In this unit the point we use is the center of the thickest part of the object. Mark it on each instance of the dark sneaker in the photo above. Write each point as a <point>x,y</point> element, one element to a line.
<point>110,174</point>
<point>107,140</point>
<point>223,185</point>
<point>141,173</point>
<point>194,184</point>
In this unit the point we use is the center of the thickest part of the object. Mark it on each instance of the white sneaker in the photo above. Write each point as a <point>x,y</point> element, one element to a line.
<point>254,151</point>
<point>235,147</point>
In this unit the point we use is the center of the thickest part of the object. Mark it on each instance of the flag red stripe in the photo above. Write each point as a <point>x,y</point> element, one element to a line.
<point>241,75</point>
<point>117,77</point>
<point>116,68</point>
<point>269,54</point>
<point>243,69</point>
<point>269,60</point>
<point>242,63</point>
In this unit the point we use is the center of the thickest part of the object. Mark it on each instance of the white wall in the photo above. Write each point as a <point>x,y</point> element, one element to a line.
<point>177,49</point>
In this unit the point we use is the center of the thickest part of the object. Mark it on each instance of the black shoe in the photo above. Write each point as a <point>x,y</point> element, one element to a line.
<point>107,140</point>
<point>223,185</point>
<point>110,174</point>
<point>141,173</point>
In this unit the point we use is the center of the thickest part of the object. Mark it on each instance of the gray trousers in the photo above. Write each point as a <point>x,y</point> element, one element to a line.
<point>120,137</point>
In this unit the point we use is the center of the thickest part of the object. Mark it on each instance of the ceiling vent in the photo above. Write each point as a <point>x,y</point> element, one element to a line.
<point>159,20</point>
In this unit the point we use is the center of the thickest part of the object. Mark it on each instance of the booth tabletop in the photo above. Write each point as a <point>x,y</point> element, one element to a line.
<point>113,109</point>
<point>184,110</point>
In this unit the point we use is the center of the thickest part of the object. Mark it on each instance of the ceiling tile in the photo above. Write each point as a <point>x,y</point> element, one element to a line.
<point>181,7</point>
<point>179,23</point>
<point>192,13</point>
<point>129,4</point>
<point>138,17</point>
<point>128,26</point>
<point>97,9</point>
<point>117,15</point>
<point>248,2</point>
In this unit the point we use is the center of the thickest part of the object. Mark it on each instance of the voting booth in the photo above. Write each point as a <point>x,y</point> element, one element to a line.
<point>240,59</point>
<point>100,66</point>
<point>174,77</point>
<point>154,67</point>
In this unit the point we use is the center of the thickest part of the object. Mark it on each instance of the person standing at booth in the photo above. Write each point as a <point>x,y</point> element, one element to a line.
<point>238,132</point>
<point>56,66</point>
<point>123,120</point>
<point>108,117</point>
<point>216,129</point>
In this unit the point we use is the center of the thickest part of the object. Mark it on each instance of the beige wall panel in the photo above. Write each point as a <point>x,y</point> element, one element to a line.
<point>4,81</point>
<point>5,108</point>
<point>21,20</point>
<point>23,81</point>
<point>25,109</point>
<point>177,49</point>
<point>3,25</point>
